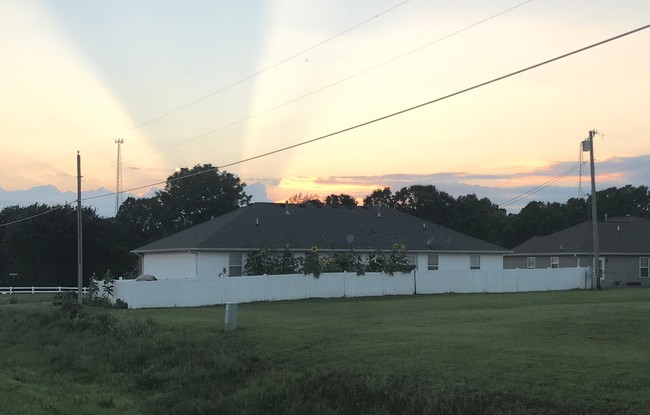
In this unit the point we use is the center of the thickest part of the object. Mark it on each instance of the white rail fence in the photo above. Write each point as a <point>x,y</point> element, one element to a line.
<point>39,290</point>
<point>194,292</point>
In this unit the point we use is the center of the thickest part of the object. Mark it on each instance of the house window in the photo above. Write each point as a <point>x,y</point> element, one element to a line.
<point>555,262</point>
<point>235,264</point>
<point>474,262</point>
<point>432,262</point>
<point>643,267</point>
<point>530,262</point>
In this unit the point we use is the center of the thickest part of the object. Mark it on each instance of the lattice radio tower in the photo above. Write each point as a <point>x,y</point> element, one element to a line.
<point>119,196</point>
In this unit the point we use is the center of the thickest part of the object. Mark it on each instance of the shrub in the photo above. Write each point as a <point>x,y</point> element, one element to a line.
<point>101,297</point>
<point>268,262</point>
<point>312,263</point>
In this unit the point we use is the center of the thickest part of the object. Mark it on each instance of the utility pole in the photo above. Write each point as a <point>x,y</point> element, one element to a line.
<point>594,210</point>
<point>119,197</point>
<point>79,235</point>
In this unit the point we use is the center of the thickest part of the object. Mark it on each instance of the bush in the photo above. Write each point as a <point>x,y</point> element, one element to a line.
<point>268,262</point>
<point>101,297</point>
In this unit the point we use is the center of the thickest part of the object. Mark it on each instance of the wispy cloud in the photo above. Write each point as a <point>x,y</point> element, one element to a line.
<point>499,186</point>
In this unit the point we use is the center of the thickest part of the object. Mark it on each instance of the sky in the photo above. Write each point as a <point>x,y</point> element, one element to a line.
<point>186,83</point>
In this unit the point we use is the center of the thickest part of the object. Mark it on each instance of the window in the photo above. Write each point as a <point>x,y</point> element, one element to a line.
<point>555,262</point>
<point>530,262</point>
<point>235,264</point>
<point>643,267</point>
<point>474,262</point>
<point>432,262</point>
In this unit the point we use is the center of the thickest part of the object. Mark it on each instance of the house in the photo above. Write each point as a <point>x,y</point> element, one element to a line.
<point>220,246</point>
<point>624,249</point>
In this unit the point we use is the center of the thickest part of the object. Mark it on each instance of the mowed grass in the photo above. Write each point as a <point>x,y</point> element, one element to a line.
<point>535,353</point>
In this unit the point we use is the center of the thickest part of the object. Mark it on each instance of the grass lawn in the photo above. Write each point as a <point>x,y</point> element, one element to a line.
<point>536,353</point>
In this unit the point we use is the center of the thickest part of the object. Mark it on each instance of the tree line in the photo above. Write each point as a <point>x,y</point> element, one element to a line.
<point>43,249</point>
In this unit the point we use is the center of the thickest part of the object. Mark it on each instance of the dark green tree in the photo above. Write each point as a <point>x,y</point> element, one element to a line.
<point>427,202</point>
<point>305,199</point>
<point>380,197</point>
<point>140,221</point>
<point>196,195</point>
<point>539,219</point>
<point>577,210</point>
<point>340,200</point>
<point>43,250</point>
<point>627,200</point>
<point>480,218</point>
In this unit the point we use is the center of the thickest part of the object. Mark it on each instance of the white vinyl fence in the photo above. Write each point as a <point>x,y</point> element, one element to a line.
<point>194,292</point>
<point>39,290</point>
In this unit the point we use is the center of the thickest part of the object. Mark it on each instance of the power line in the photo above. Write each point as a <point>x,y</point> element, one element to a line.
<point>625,138</point>
<point>34,216</point>
<point>363,72</point>
<point>246,78</point>
<point>394,114</point>
<point>433,101</point>
<point>260,72</point>
<point>541,186</point>
<point>501,205</point>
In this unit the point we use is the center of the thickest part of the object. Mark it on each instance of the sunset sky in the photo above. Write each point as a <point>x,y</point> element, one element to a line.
<point>193,82</point>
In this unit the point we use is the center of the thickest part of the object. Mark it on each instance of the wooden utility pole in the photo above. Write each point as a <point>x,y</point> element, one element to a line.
<point>79,236</point>
<point>119,196</point>
<point>594,211</point>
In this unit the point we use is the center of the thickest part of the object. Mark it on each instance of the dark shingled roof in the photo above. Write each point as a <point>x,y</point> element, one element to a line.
<point>267,225</point>
<point>620,235</point>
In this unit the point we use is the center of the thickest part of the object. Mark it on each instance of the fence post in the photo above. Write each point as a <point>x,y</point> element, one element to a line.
<point>33,292</point>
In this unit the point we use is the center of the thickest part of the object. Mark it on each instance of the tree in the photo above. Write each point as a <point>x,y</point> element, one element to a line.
<point>196,195</point>
<point>627,200</point>
<point>380,197</point>
<point>306,199</point>
<point>340,200</point>
<point>480,218</point>
<point>43,250</point>
<point>140,221</point>
<point>426,202</point>
<point>539,219</point>
<point>577,210</point>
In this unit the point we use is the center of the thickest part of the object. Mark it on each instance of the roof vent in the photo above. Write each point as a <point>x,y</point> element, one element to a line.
<point>257,221</point>
<point>606,215</point>
<point>379,212</point>
<point>424,225</point>
<point>561,248</point>
<point>618,228</point>
<point>286,208</point>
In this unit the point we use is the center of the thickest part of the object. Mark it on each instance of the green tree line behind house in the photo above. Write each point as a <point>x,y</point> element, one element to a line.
<point>43,250</point>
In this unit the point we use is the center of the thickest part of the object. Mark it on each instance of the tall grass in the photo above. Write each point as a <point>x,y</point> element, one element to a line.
<point>536,353</point>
